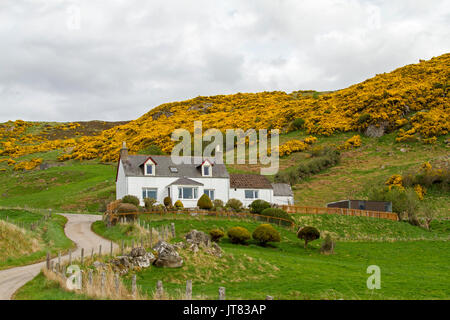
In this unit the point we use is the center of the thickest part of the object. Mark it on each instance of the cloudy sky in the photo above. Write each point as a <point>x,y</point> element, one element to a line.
<point>116,59</point>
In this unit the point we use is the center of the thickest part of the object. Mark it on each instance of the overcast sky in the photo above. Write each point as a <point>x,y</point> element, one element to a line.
<point>117,59</point>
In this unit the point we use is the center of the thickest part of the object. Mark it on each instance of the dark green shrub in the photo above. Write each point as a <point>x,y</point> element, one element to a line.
<point>363,118</point>
<point>266,233</point>
<point>131,199</point>
<point>258,206</point>
<point>238,235</point>
<point>204,202</point>
<point>298,123</point>
<point>235,205</point>
<point>167,201</point>
<point>277,213</point>
<point>216,234</point>
<point>179,204</point>
<point>308,234</point>
<point>328,158</point>
<point>217,203</point>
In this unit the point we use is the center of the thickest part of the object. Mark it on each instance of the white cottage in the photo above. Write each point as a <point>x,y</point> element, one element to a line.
<point>157,177</point>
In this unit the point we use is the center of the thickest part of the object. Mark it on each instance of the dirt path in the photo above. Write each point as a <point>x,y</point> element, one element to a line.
<point>78,229</point>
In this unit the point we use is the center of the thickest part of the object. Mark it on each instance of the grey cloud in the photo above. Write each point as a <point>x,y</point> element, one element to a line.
<point>130,56</point>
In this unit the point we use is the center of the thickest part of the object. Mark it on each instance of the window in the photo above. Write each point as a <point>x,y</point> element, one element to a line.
<point>149,169</point>
<point>187,193</point>
<point>206,170</point>
<point>251,194</point>
<point>151,193</point>
<point>209,193</point>
<point>173,169</point>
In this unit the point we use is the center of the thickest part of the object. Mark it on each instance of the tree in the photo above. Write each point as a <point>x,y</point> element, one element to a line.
<point>308,234</point>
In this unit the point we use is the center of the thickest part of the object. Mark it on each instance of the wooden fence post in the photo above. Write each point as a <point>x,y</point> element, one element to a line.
<point>82,256</point>
<point>221,293</point>
<point>111,251</point>
<point>103,282</point>
<point>133,285</point>
<point>100,250</point>
<point>173,230</point>
<point>92,253</point>
<point>48,260</point>
<point>90,277</point>
<point>189,290</point>
<point>59,257</point>
<point>121,249</point>
<point>159,289</point>
<point>116,280</point>
<point>151,237</point>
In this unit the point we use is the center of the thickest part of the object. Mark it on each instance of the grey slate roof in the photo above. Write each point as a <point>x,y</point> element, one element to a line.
<point>134,167</point>
<point>186,182</point>
<point>282,190</point>
<point>255,181</point>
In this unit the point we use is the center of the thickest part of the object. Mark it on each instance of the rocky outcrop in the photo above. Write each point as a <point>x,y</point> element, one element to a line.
<point>138,257</point>
<point>198,237</point>
<point>167,256</point>
<point>196,240</point>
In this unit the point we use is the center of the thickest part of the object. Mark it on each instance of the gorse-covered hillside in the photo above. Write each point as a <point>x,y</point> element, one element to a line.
<point>412,100</point>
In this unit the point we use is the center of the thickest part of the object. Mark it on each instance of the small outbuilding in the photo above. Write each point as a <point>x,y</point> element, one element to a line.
<point>370,205</point>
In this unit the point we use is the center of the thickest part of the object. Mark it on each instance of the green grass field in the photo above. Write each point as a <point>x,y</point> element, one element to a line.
<point>50,235</point>
<point>73,187</point>
<point>413,269</point>
<point>41,288</point>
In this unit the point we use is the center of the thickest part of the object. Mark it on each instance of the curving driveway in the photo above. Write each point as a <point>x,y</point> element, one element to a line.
<point>78,229</point>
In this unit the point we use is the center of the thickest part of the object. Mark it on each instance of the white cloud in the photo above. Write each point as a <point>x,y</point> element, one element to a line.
<point>116,60</point>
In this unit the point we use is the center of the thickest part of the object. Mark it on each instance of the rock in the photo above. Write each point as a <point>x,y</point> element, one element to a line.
<point>198,237</point>
<point>137,252</point>
<point>376,131</point>
<point>167,256</point>
<point>403,150</point>
<point>144,261</point>
<point>215,250</point>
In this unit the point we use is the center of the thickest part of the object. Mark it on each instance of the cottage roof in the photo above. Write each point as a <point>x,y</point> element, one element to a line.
<point>134,167</point>
<point>186,182</point>
<point>254,181</point>
<point>282,189</point>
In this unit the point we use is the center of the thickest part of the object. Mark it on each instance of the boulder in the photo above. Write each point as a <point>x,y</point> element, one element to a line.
<point>167,255</point>
<point>198,237</point>
<point>137,252</point>
<point>144,261</point>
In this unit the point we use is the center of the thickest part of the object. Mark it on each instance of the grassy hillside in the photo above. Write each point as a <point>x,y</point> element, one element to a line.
<point>409,269</point>
<point>19,246</point>
<point>411,103</point>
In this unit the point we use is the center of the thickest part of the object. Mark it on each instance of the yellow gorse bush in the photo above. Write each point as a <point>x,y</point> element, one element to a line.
<point>353,142</point>
<point>27,165</point>
<point>413,99</point>
<point>396,181</point>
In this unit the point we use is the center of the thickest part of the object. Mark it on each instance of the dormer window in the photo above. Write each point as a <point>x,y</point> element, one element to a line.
<point>149,167</point>
<point>206,169</point>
